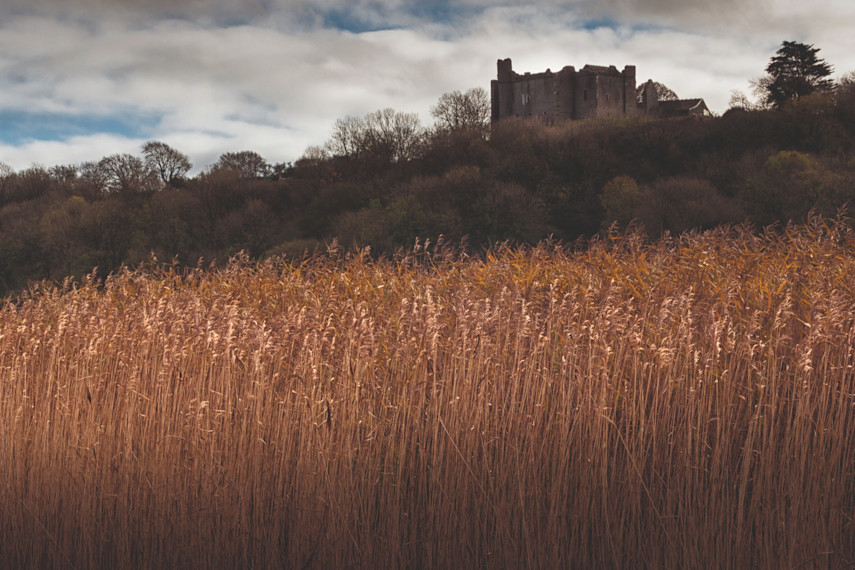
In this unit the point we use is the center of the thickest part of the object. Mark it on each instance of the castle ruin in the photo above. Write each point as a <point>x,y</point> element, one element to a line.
<point>593,92</point>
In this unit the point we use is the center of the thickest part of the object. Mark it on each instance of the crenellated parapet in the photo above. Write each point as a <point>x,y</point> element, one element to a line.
<point>568,94</point>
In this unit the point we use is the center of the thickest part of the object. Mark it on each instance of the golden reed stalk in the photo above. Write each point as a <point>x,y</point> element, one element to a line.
<point>685,404</point>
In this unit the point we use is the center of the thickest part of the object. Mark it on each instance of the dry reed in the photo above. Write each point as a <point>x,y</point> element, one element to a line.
<point>686,404</point>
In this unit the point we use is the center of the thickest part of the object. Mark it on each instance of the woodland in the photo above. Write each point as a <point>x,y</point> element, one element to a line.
<point>385,181</point>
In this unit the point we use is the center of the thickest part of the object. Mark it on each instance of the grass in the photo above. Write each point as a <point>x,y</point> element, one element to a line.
<point>682,404</point>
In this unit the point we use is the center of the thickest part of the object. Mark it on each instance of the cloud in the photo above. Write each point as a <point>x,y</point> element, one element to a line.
<point>74,150</point>
<point>240,87</point>
<point>365,15</point>
<point>275,79</point>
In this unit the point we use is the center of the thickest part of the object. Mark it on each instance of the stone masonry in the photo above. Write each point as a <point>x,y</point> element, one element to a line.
<point>593,92</point>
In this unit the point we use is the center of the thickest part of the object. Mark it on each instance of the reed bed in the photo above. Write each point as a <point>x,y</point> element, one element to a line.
<point>682,404</point>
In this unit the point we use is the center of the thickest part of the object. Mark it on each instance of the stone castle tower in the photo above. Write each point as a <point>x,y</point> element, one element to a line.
<point>592,92</point>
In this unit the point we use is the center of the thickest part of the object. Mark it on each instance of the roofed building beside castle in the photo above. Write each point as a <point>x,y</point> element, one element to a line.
<point>593,92</point>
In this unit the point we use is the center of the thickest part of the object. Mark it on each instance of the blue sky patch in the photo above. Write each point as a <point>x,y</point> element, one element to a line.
<point>17,127</point>
<point>599,23</point>
<point>348,21</point>
<point>381,18</point>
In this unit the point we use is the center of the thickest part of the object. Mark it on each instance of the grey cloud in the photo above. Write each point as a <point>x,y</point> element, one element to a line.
<point>154,7</point>
<point>359,15</point>
<point>276,87</point>
<point>701,13</point>
<point>382,12</point>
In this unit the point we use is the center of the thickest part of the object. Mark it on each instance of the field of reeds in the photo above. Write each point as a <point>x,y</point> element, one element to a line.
<point>683,404</point>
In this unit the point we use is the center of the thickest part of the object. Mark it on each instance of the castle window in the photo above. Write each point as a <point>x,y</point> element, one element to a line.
<point>585,95</point>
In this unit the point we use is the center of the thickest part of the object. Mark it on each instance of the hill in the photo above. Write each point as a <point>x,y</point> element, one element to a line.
<point>520,183</point>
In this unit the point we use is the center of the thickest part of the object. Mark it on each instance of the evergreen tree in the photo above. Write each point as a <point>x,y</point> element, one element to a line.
<point>794,72</point>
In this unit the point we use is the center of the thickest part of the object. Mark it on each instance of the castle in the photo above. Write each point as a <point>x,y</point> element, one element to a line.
<point>593,92</point>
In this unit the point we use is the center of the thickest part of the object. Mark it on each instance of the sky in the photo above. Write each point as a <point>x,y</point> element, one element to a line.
<point>84,79</point>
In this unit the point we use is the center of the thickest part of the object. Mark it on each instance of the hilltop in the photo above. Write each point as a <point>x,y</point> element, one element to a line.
<point>520,181</point>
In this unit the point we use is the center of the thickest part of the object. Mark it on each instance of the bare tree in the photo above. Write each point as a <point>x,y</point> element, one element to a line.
<point>400,135</point>
<point>246,163</point>
<point>64,173</point>
<point>33,182</point>
<point>7,174</point>
<point>170,165</point>
<point>126,174</point>
<point>385,133</point>
<point>469,111</point>
<point>739,100</point>
<point>845,89</point>
<point>92,175</point>
<point>313,155</point>
<point>663,92</point>
<point>348,137</point>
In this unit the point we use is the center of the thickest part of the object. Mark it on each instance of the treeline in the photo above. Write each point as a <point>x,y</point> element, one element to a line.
<point>384,180</point>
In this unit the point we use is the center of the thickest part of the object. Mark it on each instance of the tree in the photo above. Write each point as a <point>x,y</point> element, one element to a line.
<point>388,135</point>
<point>791,184</point>
<point>395,136</point>
<point>794,72</point>
<point>620,200</point>
<point>313,156</point>
<point>348,137</point>
<point>33,182</point>
<point>106,230</point>
<point>246,163</point>
<point>469,111</point>
<point>663,92</point>
<point>845,91</point>
<point>7,175</point>
<point>64,174</point>
<point>169,164</point>
<point>92,179</point>
<point>740,101</point>
<point>846,85</point>
<point>683,203</point>
<point>126,174</point>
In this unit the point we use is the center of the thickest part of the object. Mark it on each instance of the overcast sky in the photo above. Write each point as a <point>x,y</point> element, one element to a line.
<point>83,79</point>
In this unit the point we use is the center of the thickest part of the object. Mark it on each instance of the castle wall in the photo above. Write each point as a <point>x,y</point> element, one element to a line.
<point>534,95</point>
<point>586,93</point>
<point>527,95</point>
<point>630,106</point>
<point>565,94</point>
<point>592,92</point>
<point>649,98</point>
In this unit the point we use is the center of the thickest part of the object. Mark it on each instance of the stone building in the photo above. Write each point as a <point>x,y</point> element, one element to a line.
<point>684,108</point>
<point>651,104</point>
<point>593,92</point>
